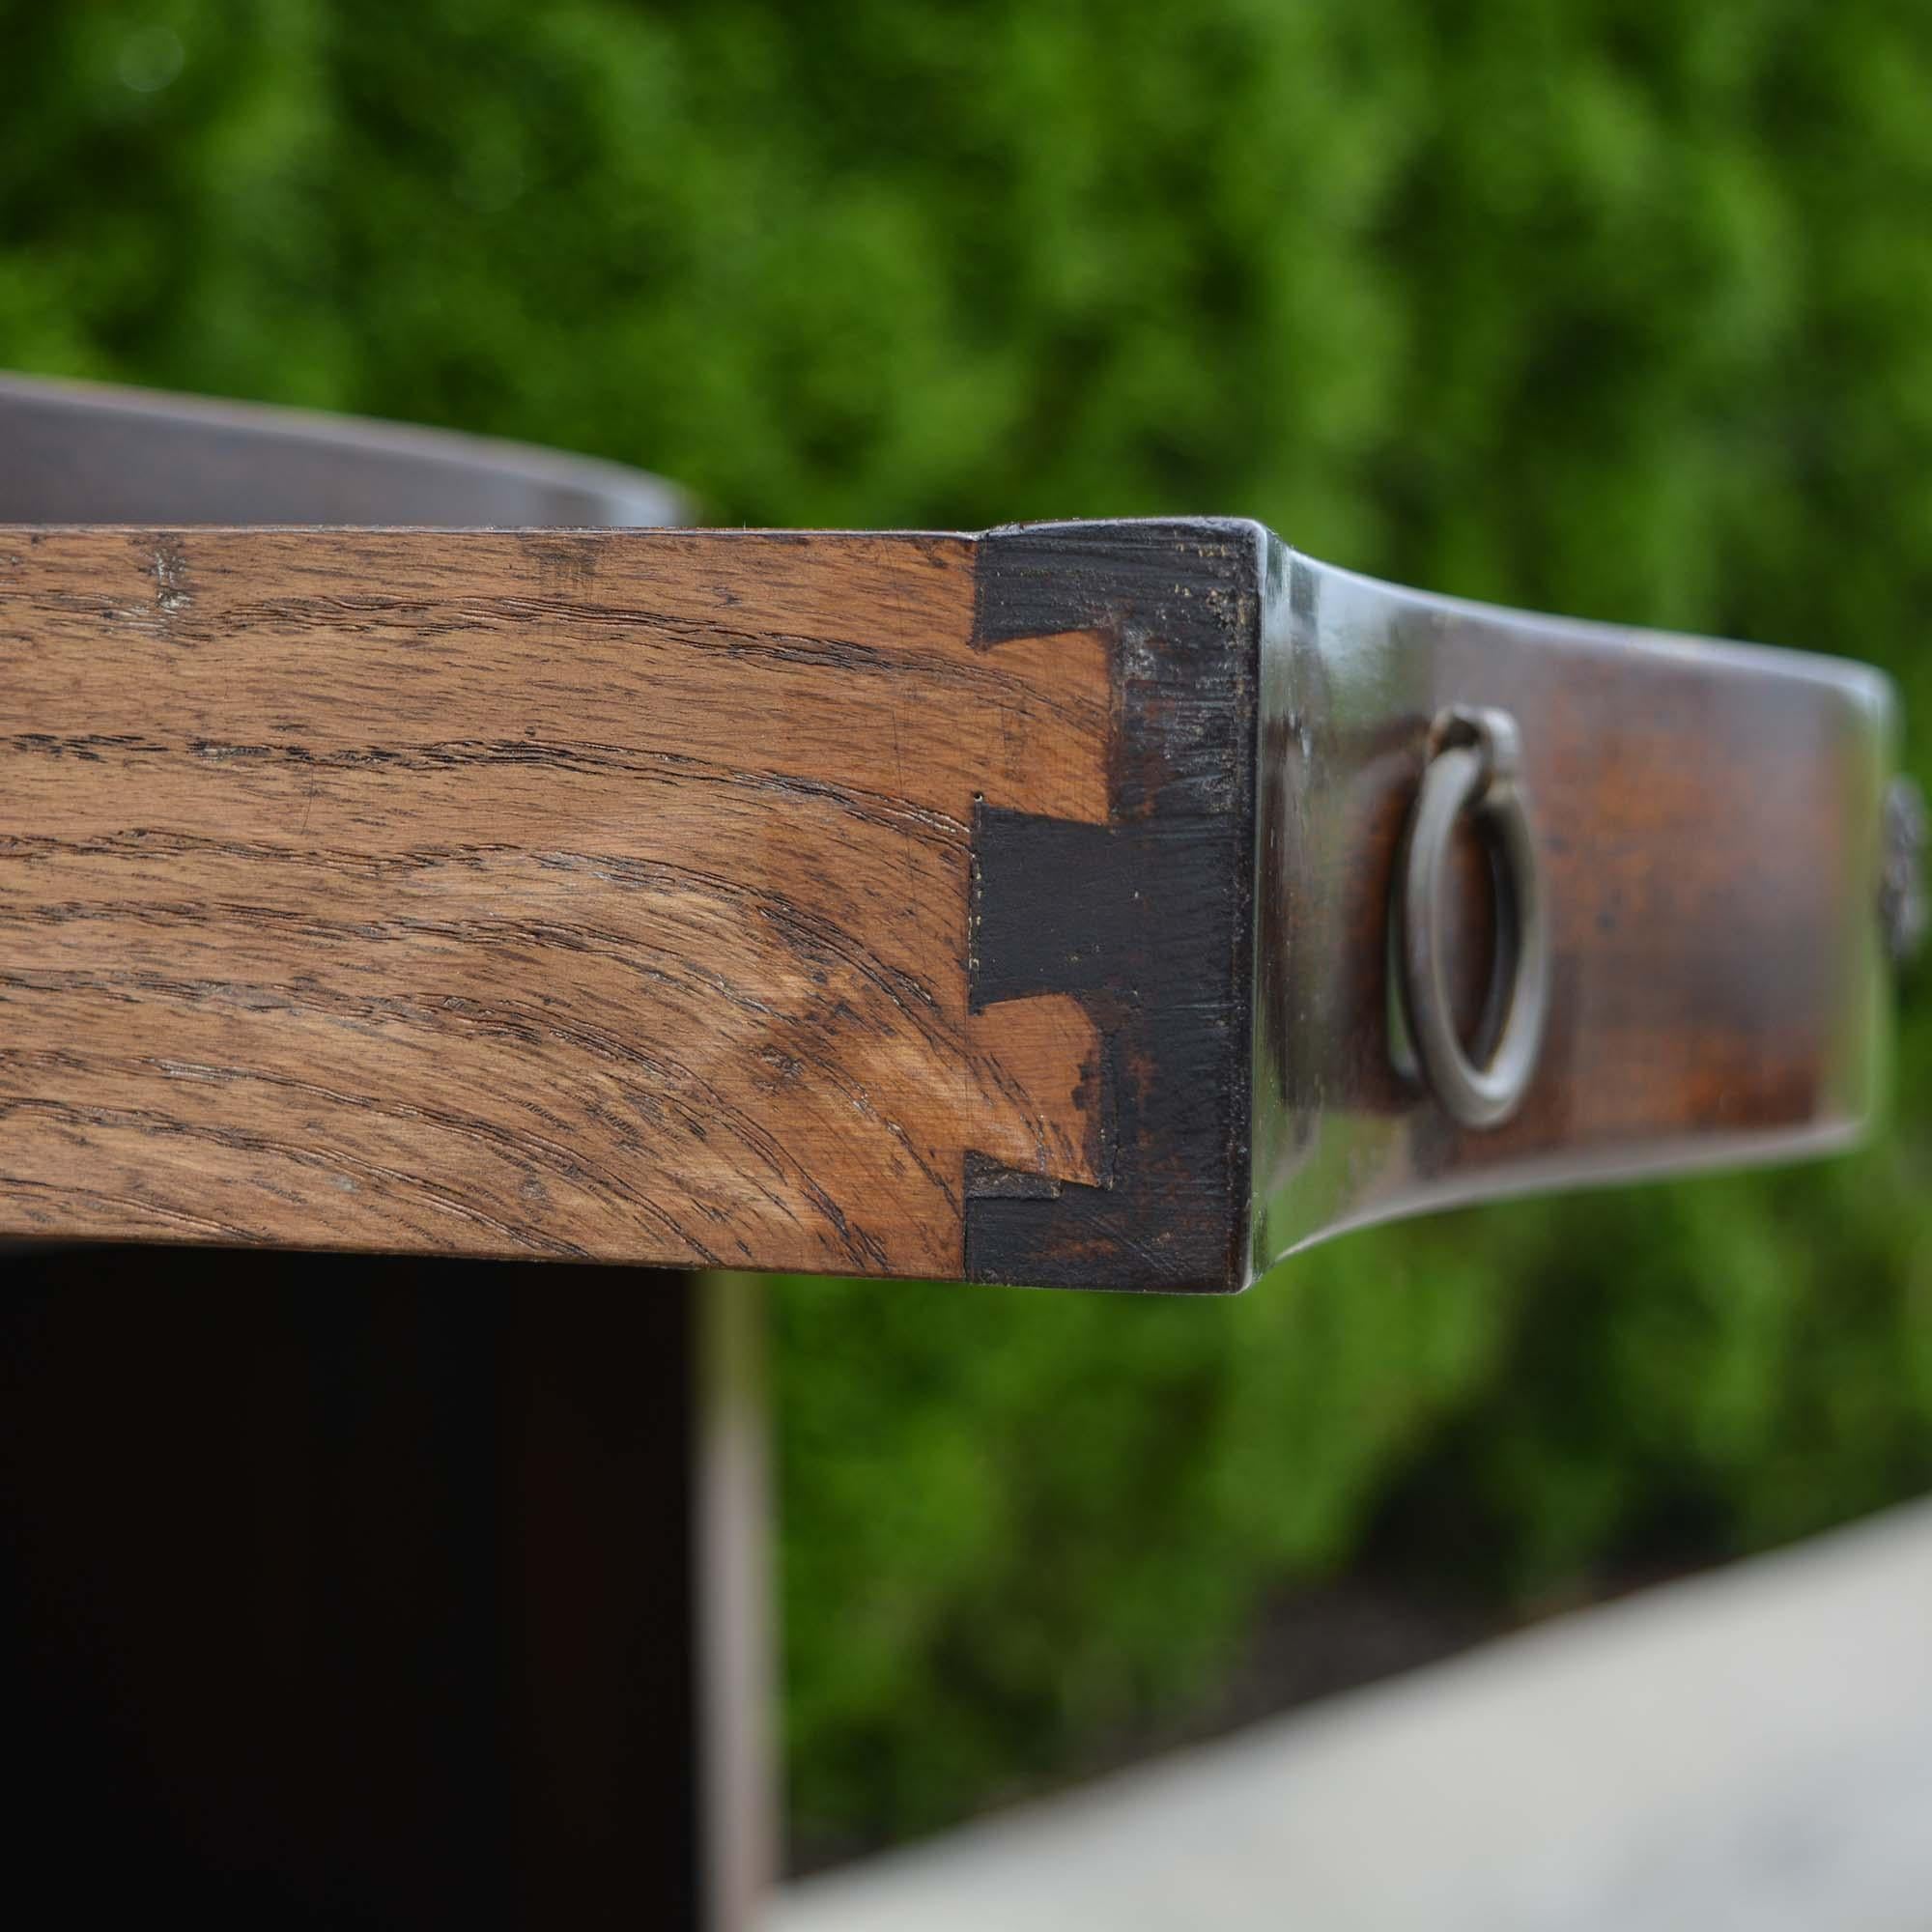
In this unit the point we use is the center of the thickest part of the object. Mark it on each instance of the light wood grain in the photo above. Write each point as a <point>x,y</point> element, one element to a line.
<point>597,894</point>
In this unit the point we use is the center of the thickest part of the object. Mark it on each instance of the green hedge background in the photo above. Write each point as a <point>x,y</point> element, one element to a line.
<point>1620,307</point>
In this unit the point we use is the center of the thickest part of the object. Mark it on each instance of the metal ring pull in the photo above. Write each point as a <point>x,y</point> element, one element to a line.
<point>1473,766</point>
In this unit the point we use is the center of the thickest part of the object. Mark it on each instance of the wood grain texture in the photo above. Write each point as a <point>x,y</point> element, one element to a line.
<point>1010,907</point>
<point>591,894</point>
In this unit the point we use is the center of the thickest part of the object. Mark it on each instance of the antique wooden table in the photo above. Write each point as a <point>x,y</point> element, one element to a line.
<point>1107,905</point>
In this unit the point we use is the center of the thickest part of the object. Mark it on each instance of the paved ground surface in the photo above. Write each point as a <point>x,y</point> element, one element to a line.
<point>1752,1749</point>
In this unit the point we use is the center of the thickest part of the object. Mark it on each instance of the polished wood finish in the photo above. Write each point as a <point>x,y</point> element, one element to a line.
<point>1010,907</point>
<point>1707,821</point>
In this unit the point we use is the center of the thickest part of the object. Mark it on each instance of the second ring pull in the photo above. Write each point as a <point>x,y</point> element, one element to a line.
<point>1473,766</point>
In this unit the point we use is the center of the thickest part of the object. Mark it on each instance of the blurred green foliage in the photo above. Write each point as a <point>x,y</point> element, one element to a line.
<point>1623,309</point>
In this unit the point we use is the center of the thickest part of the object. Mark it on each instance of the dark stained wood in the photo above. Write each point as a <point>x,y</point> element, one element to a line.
<point>1147,919</point>
<point>372,1592</point>
<point>1707,822</point>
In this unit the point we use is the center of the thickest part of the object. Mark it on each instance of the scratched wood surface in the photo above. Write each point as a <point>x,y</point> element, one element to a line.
<point>597,894</point>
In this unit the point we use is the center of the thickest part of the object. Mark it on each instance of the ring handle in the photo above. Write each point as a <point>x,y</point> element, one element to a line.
<point>1473,766</point>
